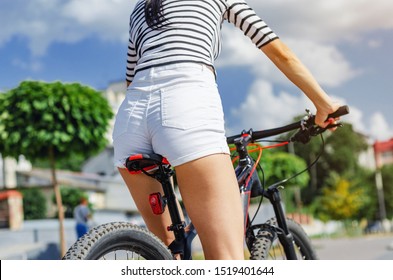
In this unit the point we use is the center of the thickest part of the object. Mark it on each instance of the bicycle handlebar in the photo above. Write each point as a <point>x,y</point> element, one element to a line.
<point>343,110</point>
<point>257,135</point>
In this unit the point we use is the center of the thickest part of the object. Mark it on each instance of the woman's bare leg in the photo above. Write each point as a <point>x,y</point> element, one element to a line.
<point>209,190</point>
<point>140,186</point>
<point>211,196</point>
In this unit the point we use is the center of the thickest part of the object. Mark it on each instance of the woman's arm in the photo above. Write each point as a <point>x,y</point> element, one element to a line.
<point>290,65</point>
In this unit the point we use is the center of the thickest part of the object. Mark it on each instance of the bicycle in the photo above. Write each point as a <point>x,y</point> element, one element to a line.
<point>277,237</point>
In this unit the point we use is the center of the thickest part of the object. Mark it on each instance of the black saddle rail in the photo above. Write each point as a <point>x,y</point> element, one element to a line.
<point>142,163</point>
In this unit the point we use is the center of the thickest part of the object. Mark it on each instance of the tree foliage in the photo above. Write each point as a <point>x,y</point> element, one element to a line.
<point>71,197</point>
<point>74,163</point>
<point>275,166</point>
<point>71,118</point>
<point>34,204</point>
<point>53,121</point>
<point>339,152</point>
<point>279,166</point>
<point>343,148</point>
<point>387,179</point>
<point>341,199</point>
<point>365,179</point>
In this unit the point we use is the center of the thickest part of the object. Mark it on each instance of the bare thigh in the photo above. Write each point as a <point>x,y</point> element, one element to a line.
<point>140,186</point>
<point>211,196</point>
<point>210,193</point>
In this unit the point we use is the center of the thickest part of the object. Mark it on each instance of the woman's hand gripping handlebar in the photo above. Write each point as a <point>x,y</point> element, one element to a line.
<point>306,125</point>
<point>309,129</point>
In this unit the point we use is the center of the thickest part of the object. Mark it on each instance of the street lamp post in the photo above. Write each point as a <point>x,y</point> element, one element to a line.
<point>381,197</point>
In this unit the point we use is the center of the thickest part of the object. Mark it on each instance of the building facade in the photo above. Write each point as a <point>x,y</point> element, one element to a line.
<point>383,151</point>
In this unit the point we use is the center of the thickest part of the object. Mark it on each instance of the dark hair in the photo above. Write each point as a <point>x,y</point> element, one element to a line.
<point>153,13</point>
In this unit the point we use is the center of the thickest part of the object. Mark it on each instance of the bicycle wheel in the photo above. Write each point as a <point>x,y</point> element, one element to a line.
<point>268,246</point>
<point>118,240</point>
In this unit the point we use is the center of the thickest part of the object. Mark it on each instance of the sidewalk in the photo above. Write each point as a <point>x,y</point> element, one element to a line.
<point>22,251</point>
<point>39,239</point>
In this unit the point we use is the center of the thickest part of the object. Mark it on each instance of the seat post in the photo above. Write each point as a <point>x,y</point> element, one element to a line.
<point>163,176</point>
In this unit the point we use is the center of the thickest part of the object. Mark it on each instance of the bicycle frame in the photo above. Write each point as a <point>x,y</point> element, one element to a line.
<point>249,185</point>
<point>247,181</point>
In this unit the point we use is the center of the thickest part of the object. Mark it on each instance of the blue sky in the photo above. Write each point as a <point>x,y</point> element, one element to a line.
<point>346,44</point>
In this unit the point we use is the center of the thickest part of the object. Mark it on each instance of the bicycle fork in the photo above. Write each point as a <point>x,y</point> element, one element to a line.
<point>285,237</point>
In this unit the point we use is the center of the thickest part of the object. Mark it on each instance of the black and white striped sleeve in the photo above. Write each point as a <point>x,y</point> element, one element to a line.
<point>245,18</point>
<point>131,61</point>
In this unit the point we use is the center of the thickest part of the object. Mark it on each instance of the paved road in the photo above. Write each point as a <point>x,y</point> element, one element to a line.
<point>373,247</point>
<point>17,244</point>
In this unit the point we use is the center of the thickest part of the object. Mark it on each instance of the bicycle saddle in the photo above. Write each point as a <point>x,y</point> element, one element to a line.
<point>136,164</point>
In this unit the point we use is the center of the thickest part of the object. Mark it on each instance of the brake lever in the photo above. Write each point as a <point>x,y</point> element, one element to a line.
<point>316,130</point>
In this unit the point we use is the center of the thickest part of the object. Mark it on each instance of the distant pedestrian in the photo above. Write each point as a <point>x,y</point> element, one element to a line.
<point>82,215</point>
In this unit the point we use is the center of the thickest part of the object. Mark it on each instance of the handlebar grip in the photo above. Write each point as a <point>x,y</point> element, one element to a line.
<point>231,139</point>
<point>343,110</point>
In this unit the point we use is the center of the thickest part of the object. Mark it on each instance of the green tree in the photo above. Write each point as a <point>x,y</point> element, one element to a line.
<point>73,163</point>
<point>366,180</point>
<point>53,121</point>
<point>280,165</point>
<point>70,197</point>
<point>277,166</point>
<point>339,152</point>
<point>387,179</point>
<point>343,148</point>
<point>341,199</point>
<point>34,204</point>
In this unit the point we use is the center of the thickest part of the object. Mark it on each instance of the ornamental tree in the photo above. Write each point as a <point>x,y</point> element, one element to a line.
<point>53,121</point>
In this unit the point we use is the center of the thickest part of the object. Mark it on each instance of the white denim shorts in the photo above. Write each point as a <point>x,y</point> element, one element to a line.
<point>172,110</point>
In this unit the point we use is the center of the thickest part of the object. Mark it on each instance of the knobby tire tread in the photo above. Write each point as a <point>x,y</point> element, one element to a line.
<point>118,235</point>
<point>267,236</point>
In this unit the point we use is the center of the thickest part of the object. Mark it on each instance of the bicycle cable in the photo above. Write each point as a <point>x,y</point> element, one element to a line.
<point>263,190</point>
<point>287,179</point>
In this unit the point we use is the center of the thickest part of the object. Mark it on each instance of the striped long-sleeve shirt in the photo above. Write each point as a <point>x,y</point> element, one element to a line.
<point>191,32</point>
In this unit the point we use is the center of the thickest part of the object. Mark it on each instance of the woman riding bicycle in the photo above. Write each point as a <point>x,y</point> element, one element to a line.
<point>173,108</point>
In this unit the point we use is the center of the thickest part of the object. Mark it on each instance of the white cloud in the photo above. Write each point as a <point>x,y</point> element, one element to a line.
<point>33,66</point>
<point>373,124</point>
<point>325,21</point>
<point>106,18</point>
<point>326,62</point>
<point>374,44</point>
<point>44,22</point>
<point>263,108</point>
<point>312,29</point>
<point>379,127</point>
<point>324,59</point>
<point>237,49</point>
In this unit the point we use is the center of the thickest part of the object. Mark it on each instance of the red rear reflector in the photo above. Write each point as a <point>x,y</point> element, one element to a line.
<point>157,203</point>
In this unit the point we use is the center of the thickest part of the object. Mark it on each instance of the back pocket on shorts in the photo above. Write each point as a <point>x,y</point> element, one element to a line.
<point>190,107</point>
<point>124,114</point>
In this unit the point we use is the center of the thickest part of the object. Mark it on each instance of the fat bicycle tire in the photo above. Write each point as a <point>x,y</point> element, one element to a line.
<point>267,245</point>
<point>118,239</point>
